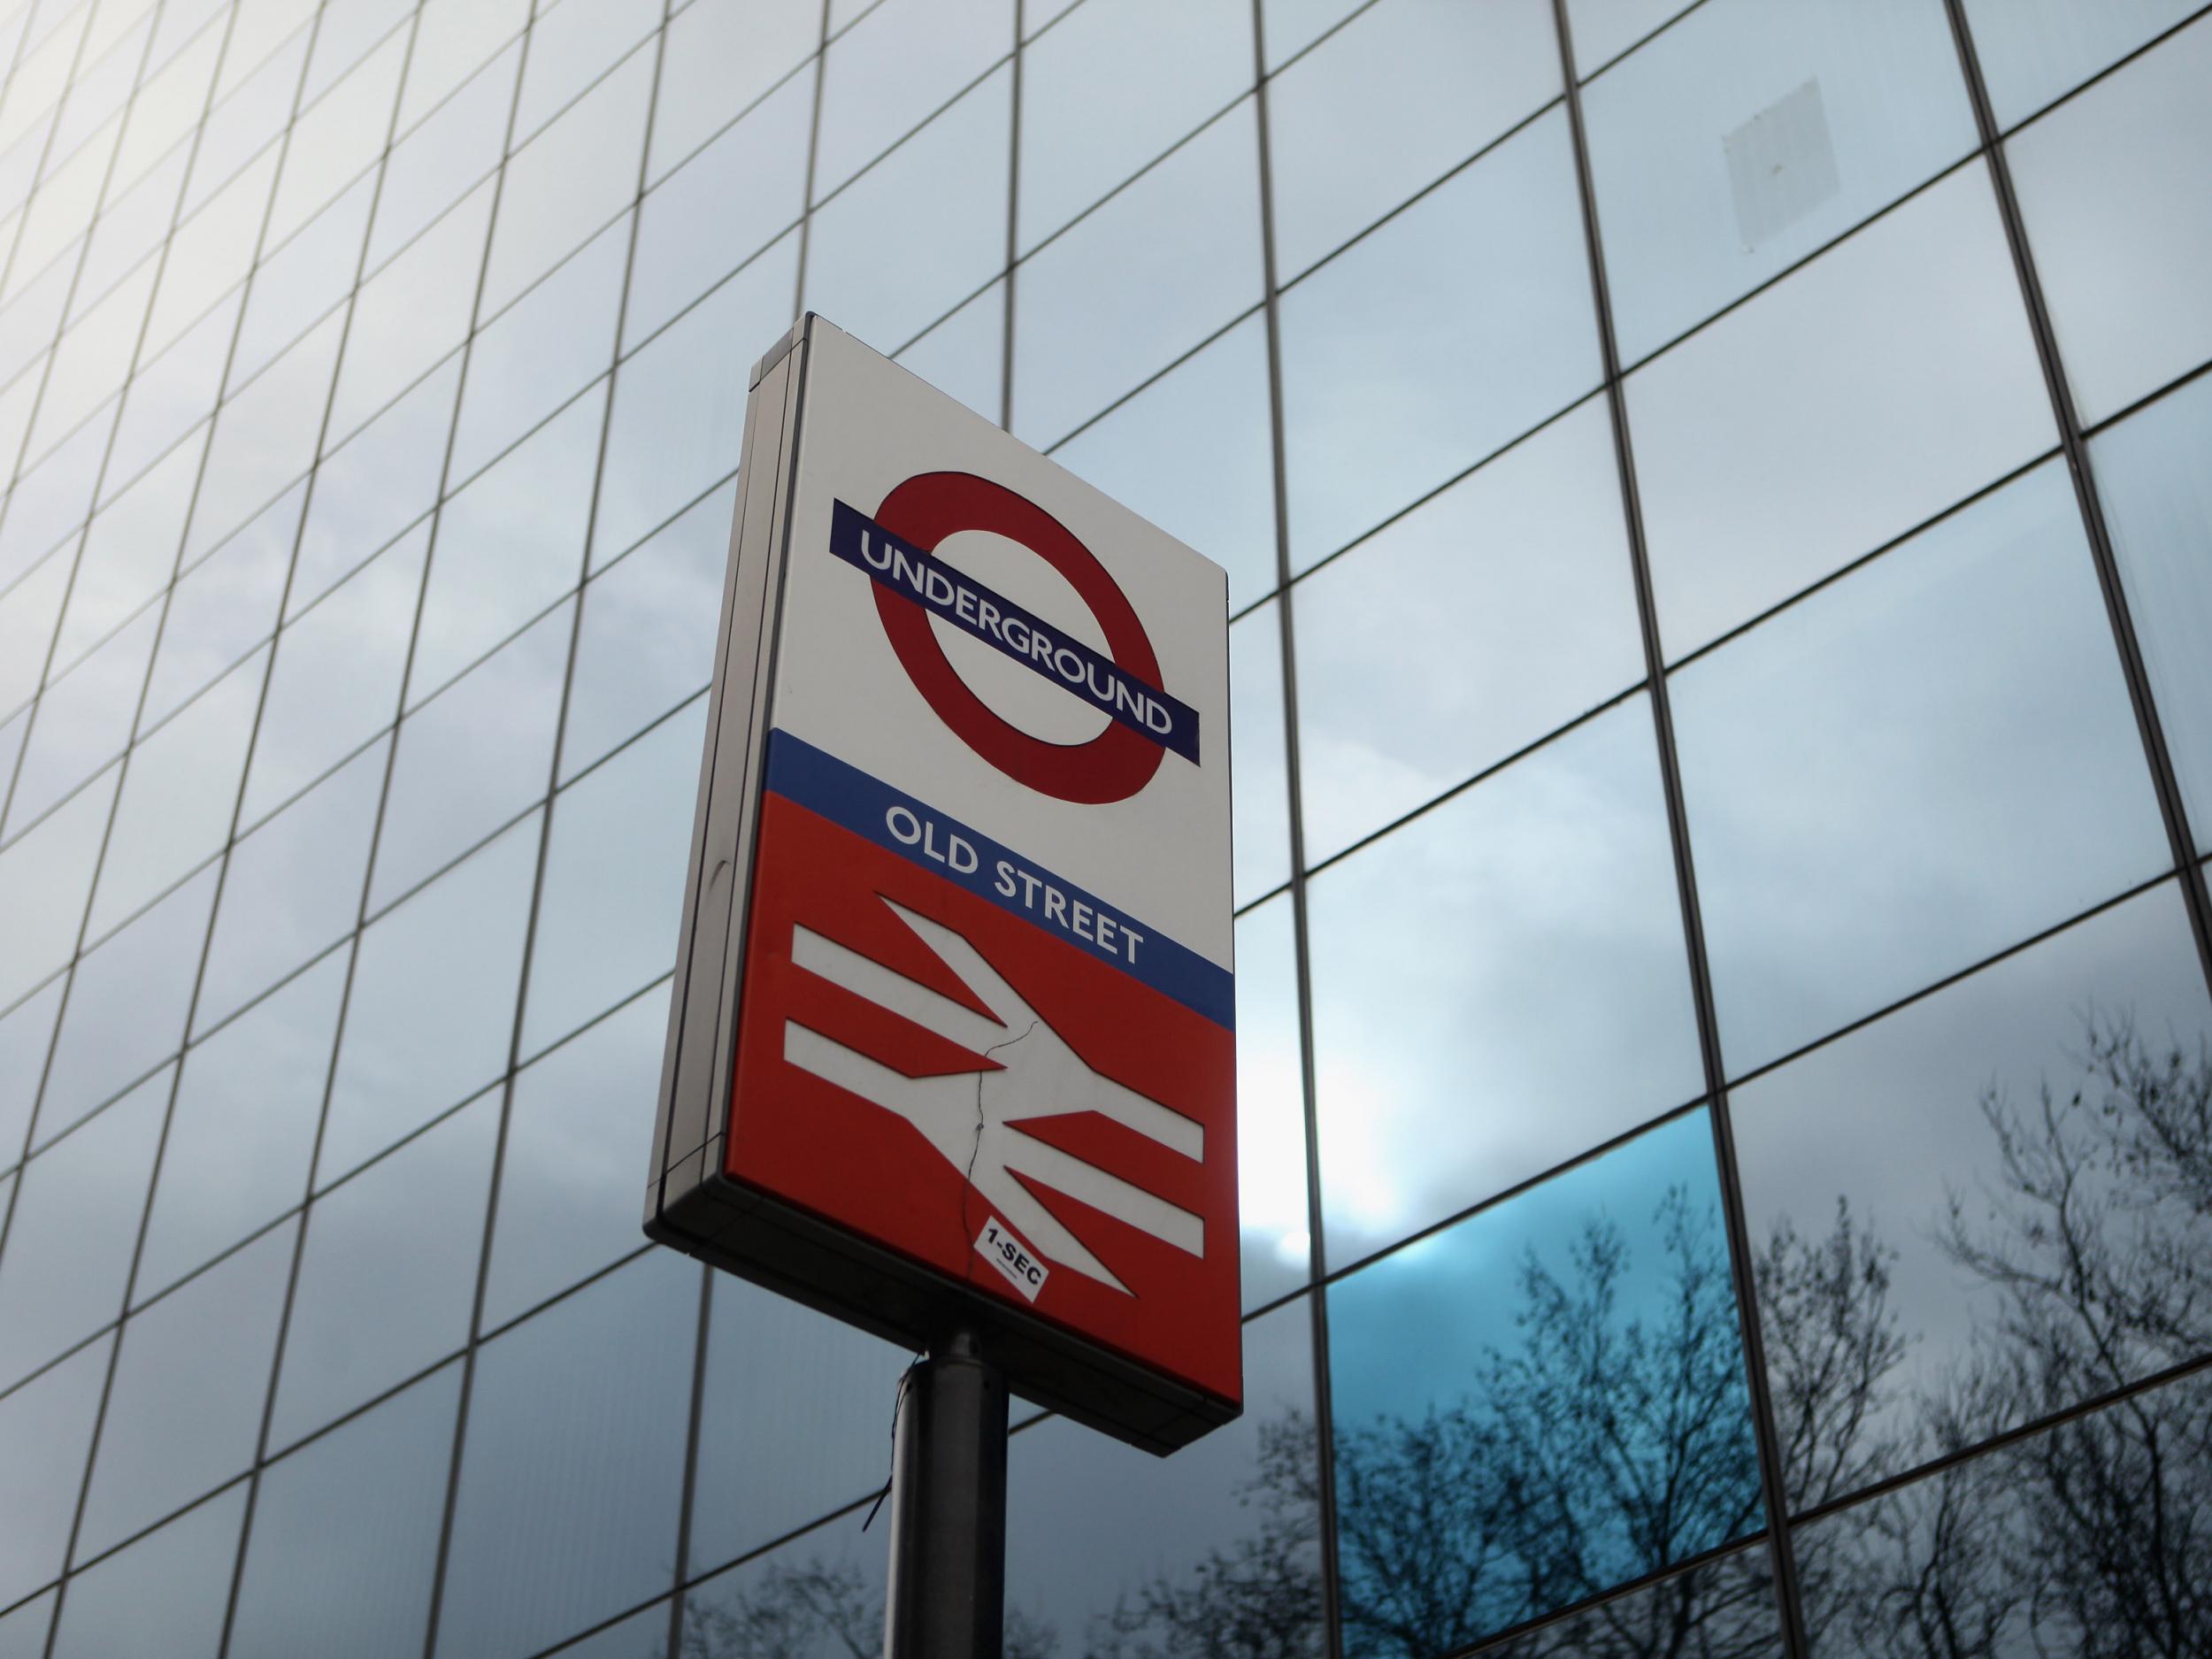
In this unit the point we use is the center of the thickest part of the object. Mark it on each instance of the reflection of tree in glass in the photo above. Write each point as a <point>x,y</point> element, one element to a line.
<point>1613,1442</point>
<point>2094,1538</point>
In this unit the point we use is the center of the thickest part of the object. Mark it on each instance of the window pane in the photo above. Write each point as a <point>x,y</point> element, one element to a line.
<point>387,1276</point>
<point>964,356</point>
<point>45,1434</point>
<point>431,1010</point>
<point>2064,1543</point>
<point>264,438</point>
<point>679,404</point>
<point>719,57</point>
<point>382,481</point>
<point>614,876</point>
<point>1987,1184</point>
<point>44,880</point>
<point>2156,477</point>
<point>130,551</point>
<point>1886,380</point>
<point>1603,29</point>
<point>2032,52</point>
<point>127,1006</point>
<point>797,1420</point>
<point>226,604</point>
<point>1192,453</point>
<point>542,350</point>
<point>1747,135</point>
<point>186,1403</point>
<point>704,220</point>
<point>2110,185</point>
<point>1587,1425</point>
<point>569,1484</point>
<point>336,680</point>
<point>1861,771</point>
<point>1259,769</point>
<point>452,38</point>
<point>345,1534</point>
<point>27,611</point>
<point>62,1277</point>
<point>411,314</point>
<point>1082,131</point>
<point>1146,277</point>
<point>646,642</point>
<point>570,46</point>
<point>434,165</point>
<point>1278,1243</point>
<point>1215,1551</point>
<point>82,722</point>
<point>27,1032</point>
<point>23,1628</point>
<point>164,1595</point>
<point>336,139</point>
<point>1526,619</point>
<point>170,395</point>
<point>472,758</point>
<point>821,1593</point>
<point>179,795</point>
<point>509,545</point>
<point>243,1127</point>
<point>1498,986</point>
<point>883,77</point>
<point>940,199</point>
<point>293,886</point>
<point>568,1202</point>
<point>1391,102</point>
<point>1448,332</point>
<point>569,181</point>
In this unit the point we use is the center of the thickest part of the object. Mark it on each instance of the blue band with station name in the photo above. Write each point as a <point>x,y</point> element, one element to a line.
<point>904,569</point>
<point>898,823</point>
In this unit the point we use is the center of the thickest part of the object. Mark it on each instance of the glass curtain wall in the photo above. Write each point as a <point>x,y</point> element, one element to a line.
<point>1719,512</point>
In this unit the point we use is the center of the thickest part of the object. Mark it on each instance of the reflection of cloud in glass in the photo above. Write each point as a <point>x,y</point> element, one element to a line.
<point>1498,986</point>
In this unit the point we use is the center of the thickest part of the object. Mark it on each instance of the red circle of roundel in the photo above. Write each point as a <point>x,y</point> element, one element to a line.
<point>1111,766</point>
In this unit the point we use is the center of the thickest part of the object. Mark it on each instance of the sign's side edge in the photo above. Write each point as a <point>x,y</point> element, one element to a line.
<point>696,1071</point>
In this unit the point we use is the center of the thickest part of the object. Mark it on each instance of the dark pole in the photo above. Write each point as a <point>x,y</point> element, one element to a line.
<point>947,1591</point>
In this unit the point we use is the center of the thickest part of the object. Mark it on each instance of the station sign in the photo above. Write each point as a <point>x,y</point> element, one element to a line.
<point>951,1041</point>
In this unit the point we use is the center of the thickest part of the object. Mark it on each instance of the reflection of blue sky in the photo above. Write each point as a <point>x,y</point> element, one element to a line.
<point>1416,1329</point>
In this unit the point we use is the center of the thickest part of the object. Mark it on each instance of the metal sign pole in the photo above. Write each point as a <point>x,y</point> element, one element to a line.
<point>948,1589</point>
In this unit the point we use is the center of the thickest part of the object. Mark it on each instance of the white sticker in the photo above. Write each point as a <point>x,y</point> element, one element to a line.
<point>998,1246</point>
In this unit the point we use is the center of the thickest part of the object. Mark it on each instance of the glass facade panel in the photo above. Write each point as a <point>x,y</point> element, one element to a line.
<point>796,1420</point>
<point>162,1595</point>
<point>1529,619</point>
<point>1589,1425</point>
<point>2155,472</point>
<point>1861,770</point>
<point>1109,304</point>
<point>431,1013</point>
<point>185,1405</point>
<point>243,1129</point>
<point>1440,336</point>
<point>1214,1550</point>
<point>387,1278</point>
<point>567,1195</point>
<point>372,386</point>
<point>1497,986</point>
<point>56,1286</point>
<point>45,1436</point>
<point>1082,133</point>
<point>614,875</point>
<point>1353,136</point>
<point>1191,452</point>
<point>2059,1544</point>
<point>1887,380</point>
<point>570,1475</point>
<point>2109,184</point>
<point>1746,137</point>
<point>1983,1197</point>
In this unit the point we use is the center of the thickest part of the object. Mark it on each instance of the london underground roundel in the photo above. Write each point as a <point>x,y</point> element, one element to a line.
<point>952,1036</point>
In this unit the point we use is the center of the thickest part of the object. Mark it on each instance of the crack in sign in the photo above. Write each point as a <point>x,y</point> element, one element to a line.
<point>969,1122</point>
